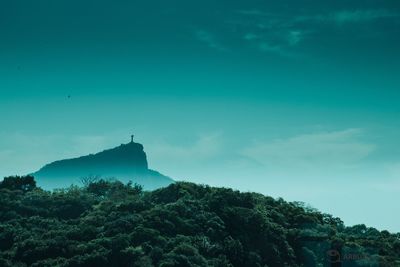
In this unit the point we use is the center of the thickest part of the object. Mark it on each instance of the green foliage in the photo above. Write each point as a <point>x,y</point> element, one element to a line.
<point>22,183</point>
<point>108,223</point>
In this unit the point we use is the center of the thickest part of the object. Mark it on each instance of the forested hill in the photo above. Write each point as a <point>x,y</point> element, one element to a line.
<point>108,223</point>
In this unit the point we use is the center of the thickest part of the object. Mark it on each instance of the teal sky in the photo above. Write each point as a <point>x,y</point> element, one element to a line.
<point>297,99</point>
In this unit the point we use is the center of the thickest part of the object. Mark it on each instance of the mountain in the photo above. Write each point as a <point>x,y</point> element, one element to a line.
<point>127,162</point>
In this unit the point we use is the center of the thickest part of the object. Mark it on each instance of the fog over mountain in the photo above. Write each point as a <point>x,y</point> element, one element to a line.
<point>127,162</point>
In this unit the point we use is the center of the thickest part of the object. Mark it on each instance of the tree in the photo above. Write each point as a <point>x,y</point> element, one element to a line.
<point>108,223</point>
<point>23,183</point>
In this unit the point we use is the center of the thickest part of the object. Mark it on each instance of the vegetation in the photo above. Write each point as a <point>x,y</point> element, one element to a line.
<point>107,223</point>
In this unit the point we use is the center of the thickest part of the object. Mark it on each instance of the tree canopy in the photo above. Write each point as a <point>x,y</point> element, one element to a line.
<point>108,223</point>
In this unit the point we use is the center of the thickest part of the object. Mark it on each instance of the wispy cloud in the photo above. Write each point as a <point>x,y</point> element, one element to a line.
<point>252,12</point>
<point>283,33</point>
<point>205,147</point>
<point>339,149</point>
<point>294,37</point>
<point>209,39</point>
<point>279,45</point>
<point>268,32</point>
<point>349,16</point>
<point>251,36</point>
<point>207,156</point>
<point>264,46</point>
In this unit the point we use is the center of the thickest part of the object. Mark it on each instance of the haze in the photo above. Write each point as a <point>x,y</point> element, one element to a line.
<point>294,100</point>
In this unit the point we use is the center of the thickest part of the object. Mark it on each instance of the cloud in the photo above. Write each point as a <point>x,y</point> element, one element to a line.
<point>348,16</point>
<point>250,36</point>
<point>354,16</point>
<point>209,39</point>
<point>283,50</point>
<point>276,49</point>
<point>281,33</point>
<point>295,37</point>
<point>208,157</point>
<point>252,12</point>
<point>212,155</point>
<point>267,32</point>
<point>280,45</point>
<point>205,147</point>
<point>339,149</point>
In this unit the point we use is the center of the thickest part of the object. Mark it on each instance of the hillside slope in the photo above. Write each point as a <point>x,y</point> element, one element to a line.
<point>112,224</point>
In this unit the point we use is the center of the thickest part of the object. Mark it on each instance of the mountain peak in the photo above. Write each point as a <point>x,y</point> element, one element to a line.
<point>127,162</point>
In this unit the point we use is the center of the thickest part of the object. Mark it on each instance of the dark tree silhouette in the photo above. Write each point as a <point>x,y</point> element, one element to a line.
<point>23,183</point>
<point>108,223</point>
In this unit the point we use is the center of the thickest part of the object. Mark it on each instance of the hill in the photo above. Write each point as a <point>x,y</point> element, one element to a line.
<point>128,162</point>
<point>114,224</point>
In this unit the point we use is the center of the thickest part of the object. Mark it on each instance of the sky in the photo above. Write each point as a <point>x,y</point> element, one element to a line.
<point>293,99</point>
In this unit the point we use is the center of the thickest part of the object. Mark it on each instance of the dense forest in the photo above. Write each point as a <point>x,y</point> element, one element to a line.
<point>108,223</point>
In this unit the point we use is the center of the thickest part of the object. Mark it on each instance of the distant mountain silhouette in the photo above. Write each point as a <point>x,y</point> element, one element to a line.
<point>127,162</point>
